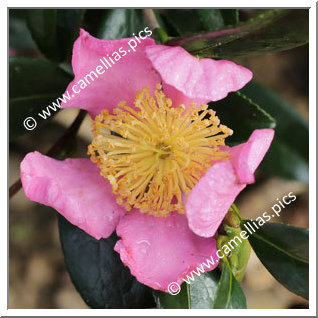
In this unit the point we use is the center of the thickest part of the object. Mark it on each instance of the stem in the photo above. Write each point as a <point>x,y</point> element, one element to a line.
<point>57,147</point>
<point>15,188</point>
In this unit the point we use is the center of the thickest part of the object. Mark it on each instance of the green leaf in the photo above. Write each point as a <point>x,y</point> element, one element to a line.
<point>201,293</point>
<point>284,251</point>
<point>120,23</point>
<point>42,25</point>
<point>289,152</point>
<point>19,34</point>
<point>238,299</point>
<point>98,273</point>
<point>33,85</point>
<point>273,31</point>
<point>283,160</point>
<point>54,30</point>
<point>229,293</point>
<point>198,295</point>
<point>190,21</point>
<point>179,301</point>
<point>203,289</point>
<point>69,22</point>
<point>242,115</point>
<point>230,16</point>
<point>210,19</point>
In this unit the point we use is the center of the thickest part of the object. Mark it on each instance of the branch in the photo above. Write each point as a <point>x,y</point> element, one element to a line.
<point>57,147</point>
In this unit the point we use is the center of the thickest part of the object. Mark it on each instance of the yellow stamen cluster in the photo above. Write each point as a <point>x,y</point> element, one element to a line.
<point>161,153</point>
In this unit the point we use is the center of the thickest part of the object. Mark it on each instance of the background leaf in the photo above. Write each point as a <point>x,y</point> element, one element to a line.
<point>230,16</point>
<point>54,30</point>
<point>229,293</point>
<point>242,115</point>
<point>19,35</point>
<point>202,293</point>
<point>179,301</point>
<point>98,273</point>
<point>289,152</point>
<point>120,23</point>
<point>273,31</point>
<point>69,22</point>
<point>42,24</point>
<point>33,84</point>
<point>284,251</point>
<point>191,21</point>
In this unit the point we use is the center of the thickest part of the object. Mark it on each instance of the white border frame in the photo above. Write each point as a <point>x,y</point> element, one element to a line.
<point>312,166</point>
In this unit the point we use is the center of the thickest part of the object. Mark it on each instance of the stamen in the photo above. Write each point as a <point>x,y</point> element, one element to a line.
<point>159,152</point>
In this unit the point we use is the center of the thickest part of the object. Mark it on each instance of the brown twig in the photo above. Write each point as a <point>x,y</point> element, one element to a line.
<point>57,147</point>
<point>15,188</point>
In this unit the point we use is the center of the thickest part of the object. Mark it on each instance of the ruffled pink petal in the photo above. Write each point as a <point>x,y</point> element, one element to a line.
<point>121,81</point>
<point>246,157</point>
<point>201,80</point>
<point>161,250</point>
<point>75,189</point>
<point>212,196</point>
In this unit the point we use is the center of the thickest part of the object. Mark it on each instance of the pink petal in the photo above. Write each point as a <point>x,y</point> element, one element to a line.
<point>161,250</point>
<point>212,196</point>
<point>75,189</point>
<point>119,82</point>
<point>199,79</point>
<point>246,157</point>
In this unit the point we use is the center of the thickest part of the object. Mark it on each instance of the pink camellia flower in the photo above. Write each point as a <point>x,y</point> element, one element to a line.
<point>165,180</point>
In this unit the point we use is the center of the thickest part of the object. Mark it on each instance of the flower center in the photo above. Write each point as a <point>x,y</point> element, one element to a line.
<point>154,153</point>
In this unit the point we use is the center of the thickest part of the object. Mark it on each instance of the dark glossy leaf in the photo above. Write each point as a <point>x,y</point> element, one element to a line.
<point>229,293</point>
<point>284,251</point>
<point>201,293</point>
<point>288,119</point>
<point>197,44</point>
<point>42,25</point>
<point>210,19</point>
<point>69,22</point>
<point>288,155</point>
<point>182,21</point>
<point>54,30</point>
<point>242,115</point>
<point>198,295</point>
<point>191,21</point>
<point>33,85</point>
<point>203,289</point>
<point>230,16</point>
<point>98,273</point>
<point>120,23</point>
<point>19,34</point>
<point>286,33</point>
<point>179,301</point>
<point>238,299</point>
<point>210,283</point>
<point>282,160</point>
<point>273,31</point>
